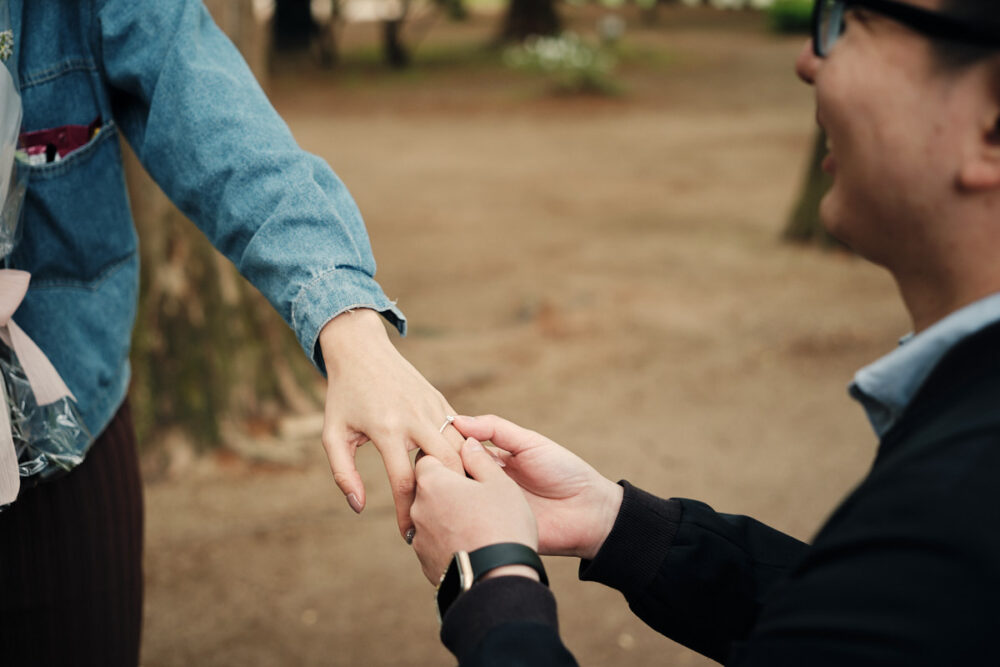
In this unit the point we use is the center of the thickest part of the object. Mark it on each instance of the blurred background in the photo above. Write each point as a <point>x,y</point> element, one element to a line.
<point>600,220</point>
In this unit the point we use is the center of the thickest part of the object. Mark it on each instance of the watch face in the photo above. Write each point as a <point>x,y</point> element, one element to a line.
<point>457,579</point>
<point>449,588</point>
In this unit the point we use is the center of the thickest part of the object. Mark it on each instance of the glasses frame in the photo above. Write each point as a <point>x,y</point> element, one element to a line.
<point>936,25</point>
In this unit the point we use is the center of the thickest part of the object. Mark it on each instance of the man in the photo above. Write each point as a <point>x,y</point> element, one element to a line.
<point>907,569</point>
<point>161,74</point>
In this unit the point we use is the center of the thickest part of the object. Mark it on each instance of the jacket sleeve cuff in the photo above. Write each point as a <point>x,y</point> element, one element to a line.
<point>492,603</point>
<point>332,293</point>
<point>637,544</point>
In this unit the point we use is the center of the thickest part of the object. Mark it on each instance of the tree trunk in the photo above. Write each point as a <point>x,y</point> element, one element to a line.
<point>207,345</point>
<point>248,26</point>
<point>455,9</point>
<point>395,53</point>
<point>294,26</point>
<point>804,225</point>
<point>530,17</point>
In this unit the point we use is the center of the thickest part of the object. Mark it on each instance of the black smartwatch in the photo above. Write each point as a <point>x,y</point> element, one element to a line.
<point>466,568</point>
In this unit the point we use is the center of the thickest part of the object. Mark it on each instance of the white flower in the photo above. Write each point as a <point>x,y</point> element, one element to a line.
<point>6,44</point>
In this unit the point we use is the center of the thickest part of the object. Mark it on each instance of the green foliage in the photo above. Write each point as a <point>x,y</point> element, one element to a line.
<point>455,9</point>
<point>616,4</point>
<point>572,64</point>
<point>791,16</point>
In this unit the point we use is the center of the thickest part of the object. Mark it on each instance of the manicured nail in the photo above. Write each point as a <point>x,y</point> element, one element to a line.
<point>355,504</point>
<point>496,458</point>
<point>409,535</point>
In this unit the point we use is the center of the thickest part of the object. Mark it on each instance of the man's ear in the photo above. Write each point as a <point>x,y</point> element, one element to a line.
<point>981,170</point>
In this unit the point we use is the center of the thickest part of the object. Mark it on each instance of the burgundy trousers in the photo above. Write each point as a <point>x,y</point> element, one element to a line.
<point>71,562</point>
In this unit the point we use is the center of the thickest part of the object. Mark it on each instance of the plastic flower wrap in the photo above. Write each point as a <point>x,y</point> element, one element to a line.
<point>42,434</point>
<point>49,440</point>
<point>13,168</point>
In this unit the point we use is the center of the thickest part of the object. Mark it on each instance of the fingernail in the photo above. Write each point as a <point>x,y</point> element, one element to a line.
<point>496,458</point>
<point>409,535</point>
<point>355,504</point>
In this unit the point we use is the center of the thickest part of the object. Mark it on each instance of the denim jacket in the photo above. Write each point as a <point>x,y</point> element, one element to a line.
<point>161,74</point>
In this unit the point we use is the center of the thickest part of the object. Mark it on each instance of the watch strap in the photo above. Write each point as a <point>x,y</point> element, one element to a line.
<point>455,581</point>
<point>493,556</point>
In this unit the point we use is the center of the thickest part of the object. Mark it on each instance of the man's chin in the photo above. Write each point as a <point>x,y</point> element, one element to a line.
<point>831,217</point>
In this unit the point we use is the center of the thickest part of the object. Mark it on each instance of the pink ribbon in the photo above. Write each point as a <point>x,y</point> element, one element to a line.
<point>45,381</point>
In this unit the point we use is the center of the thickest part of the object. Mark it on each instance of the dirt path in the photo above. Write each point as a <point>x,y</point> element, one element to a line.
<point>606,272</point>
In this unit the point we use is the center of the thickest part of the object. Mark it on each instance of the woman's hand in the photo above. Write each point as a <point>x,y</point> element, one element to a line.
<point>574,505</point>
<point>375,394</point>
<point>455,513</point>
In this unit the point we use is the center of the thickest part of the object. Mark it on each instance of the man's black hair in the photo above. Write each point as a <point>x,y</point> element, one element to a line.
<point>979,12</point>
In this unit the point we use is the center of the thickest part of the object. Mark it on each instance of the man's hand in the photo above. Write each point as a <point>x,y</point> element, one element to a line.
<point>374,394</point>
<point>574,505</point>
<point>454,513</point>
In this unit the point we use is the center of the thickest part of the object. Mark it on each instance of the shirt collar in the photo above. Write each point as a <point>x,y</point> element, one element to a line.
<point>885,387</point>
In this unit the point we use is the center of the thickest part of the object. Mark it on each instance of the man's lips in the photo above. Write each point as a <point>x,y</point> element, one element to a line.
<point>829,164</point>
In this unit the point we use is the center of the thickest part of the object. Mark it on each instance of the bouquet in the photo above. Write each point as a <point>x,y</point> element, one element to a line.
<point>42,434</point>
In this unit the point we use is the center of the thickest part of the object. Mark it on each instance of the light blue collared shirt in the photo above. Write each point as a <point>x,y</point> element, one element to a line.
<point>885,387</point>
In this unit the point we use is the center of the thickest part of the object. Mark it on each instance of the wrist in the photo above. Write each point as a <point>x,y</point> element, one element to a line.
<point>346,331</point>
<point>606,512</point>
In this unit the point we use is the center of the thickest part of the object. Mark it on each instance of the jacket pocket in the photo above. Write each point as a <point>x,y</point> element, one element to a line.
<point>77,225</point>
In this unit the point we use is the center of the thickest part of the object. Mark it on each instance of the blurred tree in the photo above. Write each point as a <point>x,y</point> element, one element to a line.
<point>525,18</point>
<point>395,53</point>
<point>294,26</point>
<point>206,344</point>
<point>455,9</point>
<point>314,25</point>
<point>804,224</point>
<point>394,50</point>
<point>649,13</point>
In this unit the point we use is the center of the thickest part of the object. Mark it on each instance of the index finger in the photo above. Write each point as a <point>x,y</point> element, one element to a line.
<point>425,465</point>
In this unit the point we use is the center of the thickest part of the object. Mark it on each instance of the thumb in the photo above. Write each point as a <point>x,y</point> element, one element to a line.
<point>480,465</point>
<point>340,452</point>
<point>506,435</point>
<point>425,465</point>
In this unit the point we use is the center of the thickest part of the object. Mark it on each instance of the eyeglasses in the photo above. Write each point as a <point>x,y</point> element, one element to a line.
<point>828,23</point>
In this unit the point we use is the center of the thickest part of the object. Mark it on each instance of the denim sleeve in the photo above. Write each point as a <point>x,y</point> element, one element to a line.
<point>204,130</point>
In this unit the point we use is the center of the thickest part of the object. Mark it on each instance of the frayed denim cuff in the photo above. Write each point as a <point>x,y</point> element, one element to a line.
<point>332,293</point>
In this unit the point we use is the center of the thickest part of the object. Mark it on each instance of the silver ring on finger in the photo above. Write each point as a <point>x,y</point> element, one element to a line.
<point>447,421</point>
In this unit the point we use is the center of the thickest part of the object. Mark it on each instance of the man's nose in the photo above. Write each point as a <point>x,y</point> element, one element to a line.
<point>807,63</point>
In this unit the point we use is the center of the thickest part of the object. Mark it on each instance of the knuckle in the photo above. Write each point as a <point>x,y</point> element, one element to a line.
<point>342,478</point>
<point>404,487</point>
<point>388,426</point>
<point>329,441</point>
<point>421,484</point>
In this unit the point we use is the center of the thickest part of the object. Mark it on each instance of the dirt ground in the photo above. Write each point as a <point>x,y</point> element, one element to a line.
<point>605,271</point>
